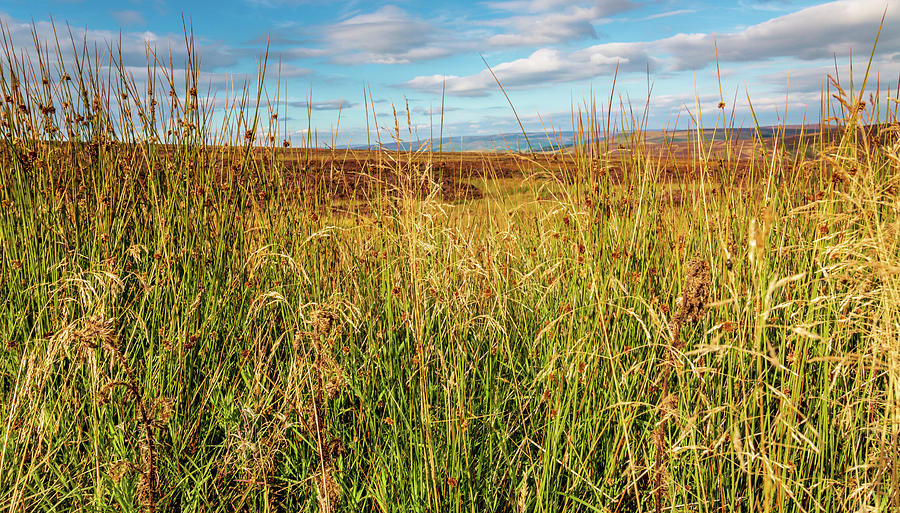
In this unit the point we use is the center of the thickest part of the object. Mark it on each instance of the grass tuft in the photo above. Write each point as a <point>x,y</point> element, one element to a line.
<point>198,314</point>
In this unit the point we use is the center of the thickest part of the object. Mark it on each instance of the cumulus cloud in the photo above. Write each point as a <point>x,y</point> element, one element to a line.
<point>572,24</point>
<point>391,35</point>
<point>388,35</point>
<point>815,78</point>
<point>133,43</point>
<point>544,66</point>
<point>551,21</point>
<point>817,32</point>
<point>602,7</point>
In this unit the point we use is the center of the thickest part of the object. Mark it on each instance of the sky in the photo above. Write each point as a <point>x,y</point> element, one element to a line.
<point>336,58</point>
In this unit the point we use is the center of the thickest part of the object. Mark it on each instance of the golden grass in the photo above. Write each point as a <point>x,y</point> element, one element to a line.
<point>186,329</point>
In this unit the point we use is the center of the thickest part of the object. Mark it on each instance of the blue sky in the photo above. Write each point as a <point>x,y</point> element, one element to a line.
<point>547,53</point>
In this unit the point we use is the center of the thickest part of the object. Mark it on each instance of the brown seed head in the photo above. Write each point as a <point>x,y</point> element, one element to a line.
<point>97,328</point>
<point>163,409</point>
<point>323,322</point>
<point>695,294</point>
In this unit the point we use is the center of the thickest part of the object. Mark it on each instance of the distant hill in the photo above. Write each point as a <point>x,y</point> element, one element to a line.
<point>495,142</point>
<point>542,142</point>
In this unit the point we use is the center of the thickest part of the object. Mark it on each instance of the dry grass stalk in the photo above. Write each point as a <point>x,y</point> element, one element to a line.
<point>474,270</point>
<point>691,309</point>
<point>329,382</point>
<point>104,331</point>
<point>327,490</point>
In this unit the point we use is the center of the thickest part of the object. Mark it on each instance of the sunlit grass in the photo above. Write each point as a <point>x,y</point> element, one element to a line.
<point>186,328</point>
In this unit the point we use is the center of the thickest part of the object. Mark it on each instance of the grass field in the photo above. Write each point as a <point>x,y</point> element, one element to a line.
<point>187,326</point>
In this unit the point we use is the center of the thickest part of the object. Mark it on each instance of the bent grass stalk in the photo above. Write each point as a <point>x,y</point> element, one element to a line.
<point>523,351</point>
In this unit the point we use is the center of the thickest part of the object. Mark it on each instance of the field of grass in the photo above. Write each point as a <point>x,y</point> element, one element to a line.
<point>185,329</point>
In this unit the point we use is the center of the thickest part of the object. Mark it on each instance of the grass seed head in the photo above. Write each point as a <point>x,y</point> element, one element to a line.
<point>695,292</point>
<point>163,409</point>
<point>98,329</point>
<point>323,321</point>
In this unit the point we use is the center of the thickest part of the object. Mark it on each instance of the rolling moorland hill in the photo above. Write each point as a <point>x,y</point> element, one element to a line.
<point>543,142</point>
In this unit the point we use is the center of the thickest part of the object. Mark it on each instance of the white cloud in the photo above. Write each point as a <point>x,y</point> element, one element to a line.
<point>817,32</point>
<point>603,7</point>
<point>133,43</point>
<point>387,36</point>
<point>537,29</point>
<point>544,66</point>
<point>551,21</point>
<point>814,78</point>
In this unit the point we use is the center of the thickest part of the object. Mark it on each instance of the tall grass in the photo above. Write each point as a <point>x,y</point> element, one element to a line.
<point>189,326</point>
